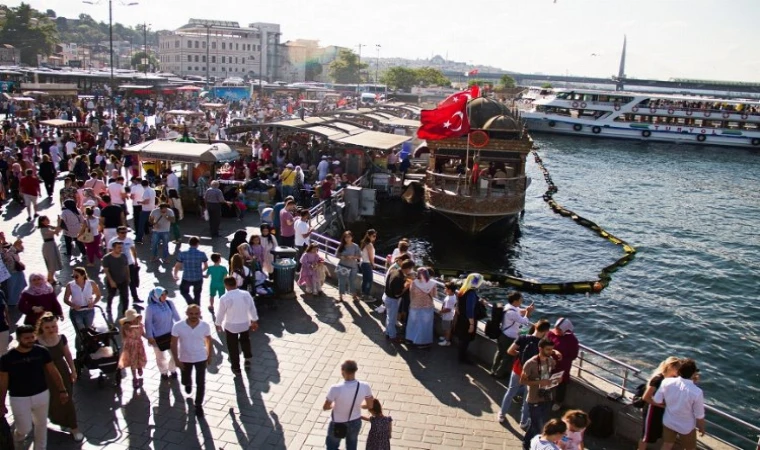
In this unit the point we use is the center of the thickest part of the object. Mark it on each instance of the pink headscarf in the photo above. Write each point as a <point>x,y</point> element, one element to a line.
<point>35,290</point>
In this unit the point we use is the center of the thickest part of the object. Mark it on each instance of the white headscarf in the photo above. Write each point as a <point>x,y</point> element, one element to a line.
<point>423,281</point>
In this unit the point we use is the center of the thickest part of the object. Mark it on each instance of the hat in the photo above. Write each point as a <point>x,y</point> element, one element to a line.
<point>289,166</point>
<point>324,157</point>
<point>564,325</point>
<point>129,316</point>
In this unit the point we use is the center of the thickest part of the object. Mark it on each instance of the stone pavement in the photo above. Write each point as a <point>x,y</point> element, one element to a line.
<point>435,402</point>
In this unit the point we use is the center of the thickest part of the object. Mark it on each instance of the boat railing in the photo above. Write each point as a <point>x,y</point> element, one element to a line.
<point>317,212</point>
<point>593,364</point>
<point>484,187</point>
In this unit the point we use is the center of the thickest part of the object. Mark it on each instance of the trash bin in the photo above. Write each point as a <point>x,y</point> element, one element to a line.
<point>284,270</point>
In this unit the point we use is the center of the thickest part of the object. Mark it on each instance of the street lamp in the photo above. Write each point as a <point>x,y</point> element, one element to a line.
<point>377,64</point>
<point>110,33</point>
<point>359,80</point>
<point>146,58</point>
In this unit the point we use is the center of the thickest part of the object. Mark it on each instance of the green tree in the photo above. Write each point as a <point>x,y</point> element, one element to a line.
<point>547,86</point>
<point>32,32</point>
<point>137,61</point>
<point>312,70</point>
<point>399,78</point>
<point>428,76</point>
<point>346,67</point>
<point>507,81</point>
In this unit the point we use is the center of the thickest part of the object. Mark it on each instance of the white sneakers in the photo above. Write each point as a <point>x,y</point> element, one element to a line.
<point>444,343</point>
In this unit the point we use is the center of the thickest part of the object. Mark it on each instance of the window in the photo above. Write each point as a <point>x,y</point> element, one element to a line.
<point>203,68</point>
<point>236,60</point>
<point>203,58</point>
<point>189,58</point>
<point>223,59</point>
<point>196,58</point>
<point>223,69</point>
<point>213,69</point>
<point>213,45</point>
<point>197,44</point>
<point>237,46</point>
<point>203,44</point>
<point>176,44</point>
<point>189,44</point>
<point>224,45</point>
<point>213,59</point>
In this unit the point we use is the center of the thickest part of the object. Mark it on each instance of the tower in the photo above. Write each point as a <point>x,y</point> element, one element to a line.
<point>621,71</point>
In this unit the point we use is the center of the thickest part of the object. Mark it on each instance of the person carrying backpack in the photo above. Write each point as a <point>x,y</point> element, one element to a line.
<point>514,317</point>
<point>523,348</point>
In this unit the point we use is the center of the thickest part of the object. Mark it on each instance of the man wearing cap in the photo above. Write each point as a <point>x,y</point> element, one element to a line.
<point>345,400</point>
<point>684,407</point>
<point>288,180</point>
<point>566,344</point>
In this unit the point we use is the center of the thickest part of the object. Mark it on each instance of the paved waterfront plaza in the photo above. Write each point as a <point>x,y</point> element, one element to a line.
<point>297,351</point>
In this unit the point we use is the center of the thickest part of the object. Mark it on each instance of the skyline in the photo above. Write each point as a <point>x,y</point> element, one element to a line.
<point>698,39</point>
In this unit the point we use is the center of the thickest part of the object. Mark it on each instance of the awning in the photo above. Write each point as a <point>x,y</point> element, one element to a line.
<point>184,152</point>
<point>22,99</point>
<point>213,105</point>
<point>60,123</point>
<point>184,112</point>
<point>134,86</point>
<point>374,139</point>
<point>189,88</point>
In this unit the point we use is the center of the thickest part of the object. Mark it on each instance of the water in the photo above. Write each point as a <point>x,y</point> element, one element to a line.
<point>692,291</point>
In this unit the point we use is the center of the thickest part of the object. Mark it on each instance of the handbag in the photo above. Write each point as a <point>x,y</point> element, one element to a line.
<point>164,342</point>
<point>86,236</point>
<point>340,430</point>
<point>342,271</point>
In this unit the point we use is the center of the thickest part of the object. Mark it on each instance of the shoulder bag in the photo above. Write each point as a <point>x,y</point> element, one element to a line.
<point>164,342</point>
<point>86,235</point>
<point>340,430</point>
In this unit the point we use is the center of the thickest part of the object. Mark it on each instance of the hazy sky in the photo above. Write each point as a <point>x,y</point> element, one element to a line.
<point>705,39</point>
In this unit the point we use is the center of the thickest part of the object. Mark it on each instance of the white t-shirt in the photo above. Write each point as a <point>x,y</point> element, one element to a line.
<point>341,395</point>
<point>396,253</point>
<point>114,191</point>
<point>150,195</point>
<point>301,228</point>
<point>136,193</point>
<point>70,147</point>
<point>172,182</point>
<point>539,444</point>
<point>191,341</point>
<point>450,302</point>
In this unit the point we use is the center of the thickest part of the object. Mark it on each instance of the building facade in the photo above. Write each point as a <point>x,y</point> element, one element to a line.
<point>9,55</point>
<point>304,60</point>
<point>218,48</point>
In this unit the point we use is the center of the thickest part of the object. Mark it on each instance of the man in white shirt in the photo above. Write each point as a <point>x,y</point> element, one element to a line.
<point>148,204</point>
<point>191,349</point>
<point>117,193</point>
<point>684,407</point>
<point>323,168</point>
<point>303,230</point>
<point>172,182</point>
<point>514,317</point>
<point>237,316</point>
<point>110,144</point>
<point>71,147</point>
<point>345,399</point>
<point>135,194</point>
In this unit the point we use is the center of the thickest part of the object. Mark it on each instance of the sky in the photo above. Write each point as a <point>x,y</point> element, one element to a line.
<point>694,39</point>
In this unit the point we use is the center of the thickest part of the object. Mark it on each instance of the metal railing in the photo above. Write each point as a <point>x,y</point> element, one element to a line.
<point>494,187</point>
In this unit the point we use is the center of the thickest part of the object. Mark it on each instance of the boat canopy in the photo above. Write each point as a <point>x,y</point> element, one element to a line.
<point>185,152</point>
<point>341,132</point>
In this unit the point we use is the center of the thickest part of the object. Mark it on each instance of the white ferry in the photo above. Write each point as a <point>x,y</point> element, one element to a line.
<point>654,117</point>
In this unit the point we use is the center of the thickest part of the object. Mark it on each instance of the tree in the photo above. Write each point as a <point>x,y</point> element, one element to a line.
<point>399,78</point>
<point>346,67</point>
<point>507,81</point>
<point>428,76</point>
<point>137,61</point>
<point>546,86</point>
<point>312,69</point>
<point>32,32</point>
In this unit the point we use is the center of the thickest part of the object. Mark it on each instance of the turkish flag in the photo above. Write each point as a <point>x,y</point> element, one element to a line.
<point>466,96</point>
<point>448,120</point>
<point>472,72</point>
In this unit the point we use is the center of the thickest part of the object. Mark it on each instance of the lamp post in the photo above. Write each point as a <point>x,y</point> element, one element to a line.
<point>110,34</point>
<point>359,79</point>
<point>377,63</point>
<point>146,59</point>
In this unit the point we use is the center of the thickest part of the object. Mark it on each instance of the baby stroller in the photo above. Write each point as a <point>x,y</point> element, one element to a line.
<point>263,290</point>
<point>97,349</point>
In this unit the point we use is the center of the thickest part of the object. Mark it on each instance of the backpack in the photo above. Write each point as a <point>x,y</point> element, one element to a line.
<point>602,419</point>
<point>638,396</point>
<point>493,326</point>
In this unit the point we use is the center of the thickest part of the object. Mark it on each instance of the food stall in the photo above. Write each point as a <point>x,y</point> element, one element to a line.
<point>192,160</point>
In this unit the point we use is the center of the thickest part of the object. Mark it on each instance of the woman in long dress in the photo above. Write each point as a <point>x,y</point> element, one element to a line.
<point>50,251</point>
<point>269,242</point>
<point>419,326</point>
<point>309,277</point>
<point>61,414</point>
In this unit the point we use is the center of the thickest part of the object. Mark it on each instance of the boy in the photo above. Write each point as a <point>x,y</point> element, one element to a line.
<point>217,272</point>
<point>447,313</point>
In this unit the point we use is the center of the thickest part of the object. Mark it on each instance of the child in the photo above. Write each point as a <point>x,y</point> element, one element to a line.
<point>217,272</point>
<point>309,277</point>
<point>240,204</point>
<point>133,349</point>
<point>257,250</point>
<point>447,313</point>
<point>577,421</point>
<point>381,428</point>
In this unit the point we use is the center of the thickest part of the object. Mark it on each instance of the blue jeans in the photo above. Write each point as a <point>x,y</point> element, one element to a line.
<point>391,315</point>
<point>367,274</point>
<point>142,222</point>
<point>538,413</point>
<point>352,436</point>
<point>346,284</point>
<point>163,238</point>
<point>515,388</point>
<point>82,319</point>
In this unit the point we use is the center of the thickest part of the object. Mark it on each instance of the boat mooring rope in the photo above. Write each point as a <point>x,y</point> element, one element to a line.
<point>573,287</point>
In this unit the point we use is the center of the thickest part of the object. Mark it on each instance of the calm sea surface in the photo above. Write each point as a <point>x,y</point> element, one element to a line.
<point>692,291</point>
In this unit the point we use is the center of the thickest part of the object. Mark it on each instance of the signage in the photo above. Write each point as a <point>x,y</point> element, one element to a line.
<point>6,86</point>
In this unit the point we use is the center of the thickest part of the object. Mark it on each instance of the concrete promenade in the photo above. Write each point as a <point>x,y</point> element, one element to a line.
<point>435,402</point>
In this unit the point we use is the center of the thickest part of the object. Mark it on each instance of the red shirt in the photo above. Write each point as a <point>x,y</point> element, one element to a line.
<point>29,185</point>
<point>326,191</point>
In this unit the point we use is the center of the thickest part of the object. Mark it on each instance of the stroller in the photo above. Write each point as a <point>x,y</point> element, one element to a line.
<point>263,290</point>
<point>97,349</point>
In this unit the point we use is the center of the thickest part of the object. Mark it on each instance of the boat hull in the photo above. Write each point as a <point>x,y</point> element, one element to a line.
<point>660,133</point>
<point>478,225</point>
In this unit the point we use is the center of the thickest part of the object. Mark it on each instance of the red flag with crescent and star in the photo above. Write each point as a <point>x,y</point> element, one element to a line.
<point>449,119</point>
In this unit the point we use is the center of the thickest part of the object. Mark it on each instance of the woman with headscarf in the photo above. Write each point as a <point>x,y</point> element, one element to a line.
<point>419,326</point>
<point>467,317</point>
<point>238,238</point>
<point>160,317</point>
<point>269,242</point>
<point>71,223</point>
<point>38,298</point>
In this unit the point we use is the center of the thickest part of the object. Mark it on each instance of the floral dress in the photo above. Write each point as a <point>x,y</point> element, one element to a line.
<point>379,433</point>
<point>133,349</point>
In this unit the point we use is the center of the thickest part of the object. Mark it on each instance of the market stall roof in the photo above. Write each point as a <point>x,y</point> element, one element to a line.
<point>22,99</point>
<point>189,88</point>
<point>344,132</point>
<point>381,118</point>
<point>184,112</point>
<point>184,151</point>
<point>60,123</point>
<point>134,86</point>
<point>213,105</point>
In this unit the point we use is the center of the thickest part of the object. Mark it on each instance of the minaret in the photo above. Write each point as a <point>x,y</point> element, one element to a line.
<point>621,71</point>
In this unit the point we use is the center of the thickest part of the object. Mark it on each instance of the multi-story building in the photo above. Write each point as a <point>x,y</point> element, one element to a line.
<point>220,49</point>
<point>9,55</point>
<point>305,60</point>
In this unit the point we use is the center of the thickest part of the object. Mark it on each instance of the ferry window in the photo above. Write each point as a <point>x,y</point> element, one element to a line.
<point>562,95</point>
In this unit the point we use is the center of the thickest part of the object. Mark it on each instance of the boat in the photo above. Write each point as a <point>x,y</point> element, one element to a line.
<point>478,180</point>
<point>648,117</point>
